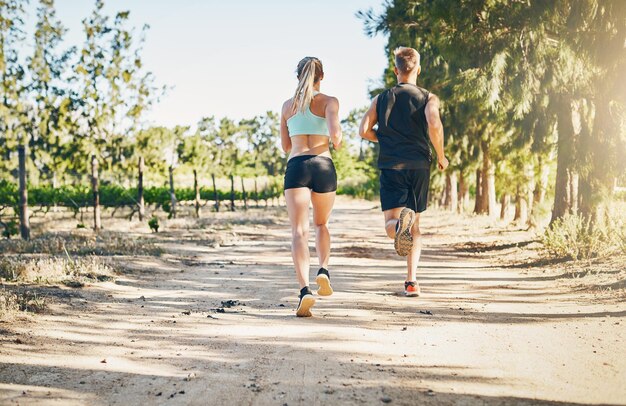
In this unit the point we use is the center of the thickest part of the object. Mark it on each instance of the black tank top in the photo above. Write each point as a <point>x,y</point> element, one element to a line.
<point>402,128</point>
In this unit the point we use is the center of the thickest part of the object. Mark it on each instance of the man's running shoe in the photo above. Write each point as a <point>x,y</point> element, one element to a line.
<point>306,302</point>
<point>404,241</point>
<point>411,288</point>
<point>323,281</point>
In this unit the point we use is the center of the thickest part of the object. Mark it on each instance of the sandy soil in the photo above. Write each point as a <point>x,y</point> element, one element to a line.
<point>485,330</point>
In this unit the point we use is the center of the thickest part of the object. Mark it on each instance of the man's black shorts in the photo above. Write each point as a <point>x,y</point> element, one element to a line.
<point>404,188</point>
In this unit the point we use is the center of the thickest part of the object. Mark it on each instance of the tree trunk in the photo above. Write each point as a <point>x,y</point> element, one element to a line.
<point>454,194</point>
<point>196,189</point>
<point>530,187</point>
<point>488,183</point>
<point>504,206</point>
<point>243,194</point>
<point>463,192</point>
<point>565,151</point>
<point>172,194</point>
<point>232,193</point>
<point>572,190</point>
<point>521,206</point>
<point>478,200</point>
<point>24,219</point>
<point>140,201</point>
<point>95,185</point>
<point>541,187</point>
<point>215,195</point>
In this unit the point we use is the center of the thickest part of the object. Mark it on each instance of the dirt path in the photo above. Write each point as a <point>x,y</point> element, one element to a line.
<point>480,334</point>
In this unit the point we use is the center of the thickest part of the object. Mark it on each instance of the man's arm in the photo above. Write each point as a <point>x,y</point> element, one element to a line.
<point>285,140</point>
<point>366,129</point>
<point>435,130</point>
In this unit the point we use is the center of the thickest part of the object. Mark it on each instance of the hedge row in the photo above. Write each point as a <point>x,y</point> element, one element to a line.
<point>117,196</point>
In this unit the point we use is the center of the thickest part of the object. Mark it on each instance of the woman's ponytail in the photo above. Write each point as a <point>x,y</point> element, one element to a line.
<point>309,71</point>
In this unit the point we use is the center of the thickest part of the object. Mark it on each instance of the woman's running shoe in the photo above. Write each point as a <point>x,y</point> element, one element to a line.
<point>323,281</point>
<point>306,302</point>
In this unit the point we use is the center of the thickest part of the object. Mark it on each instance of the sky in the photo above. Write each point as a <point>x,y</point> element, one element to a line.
<point>237,58</point>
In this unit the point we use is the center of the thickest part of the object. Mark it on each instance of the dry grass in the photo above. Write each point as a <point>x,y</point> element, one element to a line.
<point>50,269</point>
<point>11,303</point>
<point>82,243</point>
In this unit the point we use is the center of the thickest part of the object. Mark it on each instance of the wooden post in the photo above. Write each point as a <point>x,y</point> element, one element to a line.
<point>232,193</point>
<point>24,220</point>
<point>140,201</point>
<point>196,188</point>
<point>215,196</point>
<point>256,194</point>
<point>95,185</point>
<point>172,194</point>
<point>243,193</point>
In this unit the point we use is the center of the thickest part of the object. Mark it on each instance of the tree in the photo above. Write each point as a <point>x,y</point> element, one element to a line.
<point>52,120</point>
<point>13,112</point>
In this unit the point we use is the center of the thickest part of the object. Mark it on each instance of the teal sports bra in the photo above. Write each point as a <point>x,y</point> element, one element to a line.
<point>307,123</point>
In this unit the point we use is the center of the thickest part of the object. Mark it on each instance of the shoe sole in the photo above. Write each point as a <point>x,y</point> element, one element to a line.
<point>404,241</point>
<point>304,310</point>
<point>411,294</point>
<point>324,285</point>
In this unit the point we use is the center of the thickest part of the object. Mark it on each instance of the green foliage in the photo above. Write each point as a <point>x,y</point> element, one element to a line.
<point>10,229</point>
<point>153,223</point>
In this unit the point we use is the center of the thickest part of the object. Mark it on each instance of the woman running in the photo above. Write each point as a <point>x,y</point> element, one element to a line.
<point>309,122</point>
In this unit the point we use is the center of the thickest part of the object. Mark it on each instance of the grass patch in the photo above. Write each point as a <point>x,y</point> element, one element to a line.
<point>73,272</point>
<point>82,243</point>
<point>574,237</point>
<point>11,303</point>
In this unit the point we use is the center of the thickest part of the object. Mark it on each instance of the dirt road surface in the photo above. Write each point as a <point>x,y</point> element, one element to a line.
<point>165,332</point>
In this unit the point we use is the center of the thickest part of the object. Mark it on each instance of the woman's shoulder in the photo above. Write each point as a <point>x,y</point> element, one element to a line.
<point>328,99</point>
<point>287,105</point>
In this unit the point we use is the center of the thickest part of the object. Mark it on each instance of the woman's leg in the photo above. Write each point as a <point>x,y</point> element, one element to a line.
<point>322,207</point>
<point>298,208</point>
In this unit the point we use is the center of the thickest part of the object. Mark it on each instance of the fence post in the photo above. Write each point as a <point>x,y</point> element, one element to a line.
<point>215,196</point>
<point>197,191</point>
<point>256,194</point>
<point>95,185</point>
<point>245,198</point>
<point>140,201</point>
<point>24,221</point>
<point>232,193</point>
<point>172,193</point>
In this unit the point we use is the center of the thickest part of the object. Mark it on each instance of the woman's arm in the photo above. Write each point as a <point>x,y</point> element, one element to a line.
<point>285,140</point>
<point>366,129</point>
<point>332,120</point>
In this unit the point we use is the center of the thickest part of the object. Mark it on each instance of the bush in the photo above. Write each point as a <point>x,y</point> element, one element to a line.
<point>153,223</point>
<point>10,229</point>
<point>575,238</point>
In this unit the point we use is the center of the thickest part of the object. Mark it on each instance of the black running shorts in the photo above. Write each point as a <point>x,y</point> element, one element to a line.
<point>311,171</point>
<point>404,188</point>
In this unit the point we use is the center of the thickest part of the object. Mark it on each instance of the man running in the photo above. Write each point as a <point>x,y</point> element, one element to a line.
<point>407,117</point>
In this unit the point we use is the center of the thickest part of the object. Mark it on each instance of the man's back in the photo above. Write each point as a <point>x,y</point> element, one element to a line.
<point>402,128</point>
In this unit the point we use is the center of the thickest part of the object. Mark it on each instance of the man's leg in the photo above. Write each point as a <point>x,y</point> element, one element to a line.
<point>391,221</point>
<point>414,255</point>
